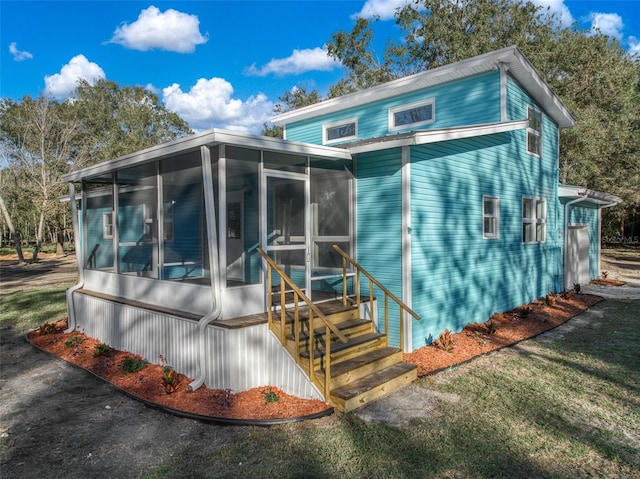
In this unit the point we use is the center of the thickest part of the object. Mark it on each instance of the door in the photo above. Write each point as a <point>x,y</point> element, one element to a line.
<point>286,225</point>
<point>235,236</point>
<point>577,267</point>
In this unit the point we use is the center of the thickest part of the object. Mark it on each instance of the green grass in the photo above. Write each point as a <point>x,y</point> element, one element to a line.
<point>28,309</point>
<point>570,409</point>
<point>567,409</point>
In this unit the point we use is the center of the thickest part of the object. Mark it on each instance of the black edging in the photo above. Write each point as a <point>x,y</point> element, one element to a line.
<point>221,421</point>
<point>466,361</point>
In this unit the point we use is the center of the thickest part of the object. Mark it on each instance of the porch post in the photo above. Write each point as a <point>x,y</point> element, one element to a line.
<point>406,248</point>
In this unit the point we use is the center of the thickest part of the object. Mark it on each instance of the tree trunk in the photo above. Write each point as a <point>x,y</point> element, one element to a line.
<point>59,242</point>
<point>14,236</point>
<point>39,233</point>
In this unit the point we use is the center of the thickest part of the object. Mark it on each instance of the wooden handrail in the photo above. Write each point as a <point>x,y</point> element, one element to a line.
<point>387,294</point>
<point>301,295</point>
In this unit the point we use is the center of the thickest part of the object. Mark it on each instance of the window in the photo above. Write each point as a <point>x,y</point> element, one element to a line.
<point>107,225</point>
<point>534,132</point>
<point>490,217</point>
<point>534,220</point>
<point>338,131</point>
<point>414,114</point>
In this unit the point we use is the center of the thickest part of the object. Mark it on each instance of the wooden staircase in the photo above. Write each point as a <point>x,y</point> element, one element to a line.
<point>343,354</point>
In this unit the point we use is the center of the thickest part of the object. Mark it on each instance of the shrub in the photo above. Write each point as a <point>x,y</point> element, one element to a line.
<point>102,349</point>
<point>270,395</point>
<point>566,294</point>
<point>491,327</point>
<point>444,341</point>
<point>73,341</point>
<point>47,328</point>
<point>226,397</point>
<point>576,287</point>
<point>549,300</point>
<point>132,364</point>
<point>525,311</point>
<point>170,379</point>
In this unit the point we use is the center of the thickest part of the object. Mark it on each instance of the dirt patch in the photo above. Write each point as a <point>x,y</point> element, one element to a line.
<point>49,269</point>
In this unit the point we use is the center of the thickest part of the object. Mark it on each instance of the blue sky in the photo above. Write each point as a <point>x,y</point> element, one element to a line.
<point>219,64</point>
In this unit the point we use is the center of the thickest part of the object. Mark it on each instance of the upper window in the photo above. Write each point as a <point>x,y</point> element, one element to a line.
<point>534,132</point>
<point>340,131</point>
<point>414,114</point>
<point>490,217</point>
<point>534,220</point>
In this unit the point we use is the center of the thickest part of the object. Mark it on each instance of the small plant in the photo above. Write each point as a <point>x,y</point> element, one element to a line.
<point>47,328</point>
<point>74,340</point>
<point>525,311</point>
<point>170,378</point>
<point>605,274</point>
<point>491,327</point>
<point>270,395</point>
<point>549,300</point>
<point>226,397</point>
<point>576,287</point>
<point>132,364</point>
<point>566,294</point>
<point>102,349</point>
<point>444,341</point>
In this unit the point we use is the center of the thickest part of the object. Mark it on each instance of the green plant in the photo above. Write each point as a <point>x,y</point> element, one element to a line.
<point>170,379</point>
<point>566,294</point>
<point>576,287</point>
<point>444,341</point>
<point>102,349</point>
<point>74,341</point>
<point>605,274</point>
<point>270,395</point>
<point>132,364</point>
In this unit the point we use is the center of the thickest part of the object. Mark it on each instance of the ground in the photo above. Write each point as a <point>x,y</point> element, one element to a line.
<point>59,421</point>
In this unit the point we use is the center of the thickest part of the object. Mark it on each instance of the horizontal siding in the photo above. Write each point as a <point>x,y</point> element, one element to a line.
<point>238,359</point>
<point>459,277</point>
<point>470,101</point>
<point>379,225</point>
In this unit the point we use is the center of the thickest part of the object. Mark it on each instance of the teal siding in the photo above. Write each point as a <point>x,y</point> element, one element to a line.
<point>470,101</point>
<point>379,225</point>
<point>459,277</point>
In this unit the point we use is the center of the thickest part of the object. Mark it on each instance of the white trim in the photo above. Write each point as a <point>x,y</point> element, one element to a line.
<point>107,221</point>
<point>503,92</point>
<point>431,136</point>
<point>334,124</point>
<point>407,277</point>
<point>496,201</point>
<point>534,131</point>
<point>535,220</point>
<point>519,68</point>
<point>391,112</point>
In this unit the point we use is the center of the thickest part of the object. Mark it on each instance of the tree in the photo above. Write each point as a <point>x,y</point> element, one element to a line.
<point>295,98</point>
<point>118,120</point>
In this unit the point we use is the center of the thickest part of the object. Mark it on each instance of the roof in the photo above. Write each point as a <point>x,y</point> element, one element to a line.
<point>511,58</point>
<point>209,138</point>
<point>597,197</point>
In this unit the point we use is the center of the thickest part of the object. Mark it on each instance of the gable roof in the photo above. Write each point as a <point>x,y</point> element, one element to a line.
<point>511,58</point>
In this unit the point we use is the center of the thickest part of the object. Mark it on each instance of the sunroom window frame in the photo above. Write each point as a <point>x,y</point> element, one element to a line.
<point>411,106</point>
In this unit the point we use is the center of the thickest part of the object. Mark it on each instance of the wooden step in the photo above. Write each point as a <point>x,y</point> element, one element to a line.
<point>349,349</point>
<point>350,327</point>
<point>368,362</point>
<point>372,386</point>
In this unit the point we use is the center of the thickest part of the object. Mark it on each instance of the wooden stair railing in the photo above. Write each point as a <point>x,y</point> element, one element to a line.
<point>314,312</point>
<point>372,281</point>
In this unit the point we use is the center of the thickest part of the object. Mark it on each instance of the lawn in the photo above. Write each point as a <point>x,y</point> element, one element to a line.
<point>566,408</point>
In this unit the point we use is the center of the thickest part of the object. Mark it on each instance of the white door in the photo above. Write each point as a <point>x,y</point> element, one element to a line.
<point>577,267</point>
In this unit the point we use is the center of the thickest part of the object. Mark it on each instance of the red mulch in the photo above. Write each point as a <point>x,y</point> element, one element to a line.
<point>147,384</point>
<point>510,328</point>
<point>475,339</point>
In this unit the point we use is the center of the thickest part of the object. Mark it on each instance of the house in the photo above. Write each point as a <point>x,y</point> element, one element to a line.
<point>311,263</point>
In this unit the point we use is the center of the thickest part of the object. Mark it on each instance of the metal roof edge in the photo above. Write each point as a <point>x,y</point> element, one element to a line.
<point>569,191</point>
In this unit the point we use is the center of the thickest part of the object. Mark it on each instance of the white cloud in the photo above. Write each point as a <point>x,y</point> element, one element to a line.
<point>608,23</point>
<point>385,9</point>
<point>300,61</point>
<point>634,45</point>
<point>61,85</point>
<point>172,31</point>
<point>210,104</point>
<point>559,8</point>
<point>17,54</point>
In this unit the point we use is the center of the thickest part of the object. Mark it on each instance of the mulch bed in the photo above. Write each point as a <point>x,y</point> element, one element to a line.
<point>502,329</point>
<point>269,403</point>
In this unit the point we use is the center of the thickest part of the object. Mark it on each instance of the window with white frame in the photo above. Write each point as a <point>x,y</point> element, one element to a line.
<point>534,132</point>
<point>534,220</point>
<point>107,225</point>
<point>490,217</point>
<point>414,114</point>
<point>340,130</point>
